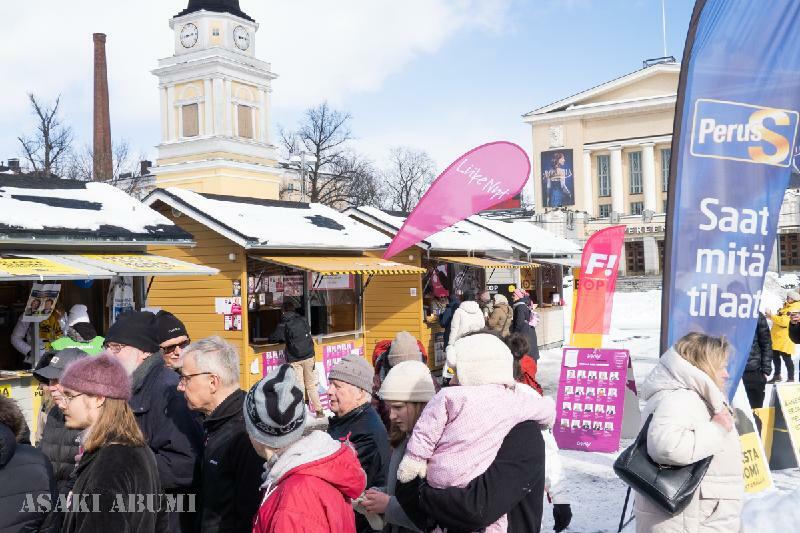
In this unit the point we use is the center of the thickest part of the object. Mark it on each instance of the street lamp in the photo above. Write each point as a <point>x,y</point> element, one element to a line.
<point>303,158</point>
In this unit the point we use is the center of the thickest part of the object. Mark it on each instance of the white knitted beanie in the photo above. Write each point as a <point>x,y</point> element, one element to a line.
<point>408,381</point>
<point>482,359</point>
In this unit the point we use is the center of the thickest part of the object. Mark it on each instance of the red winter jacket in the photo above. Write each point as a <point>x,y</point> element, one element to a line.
<point>314,497</point>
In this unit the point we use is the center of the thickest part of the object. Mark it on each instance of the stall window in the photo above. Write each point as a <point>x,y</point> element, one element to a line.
<point>331,304</point>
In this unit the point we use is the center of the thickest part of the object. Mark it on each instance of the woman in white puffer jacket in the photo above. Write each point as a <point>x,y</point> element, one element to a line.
<point>468,318</point>
<point>692,421</point>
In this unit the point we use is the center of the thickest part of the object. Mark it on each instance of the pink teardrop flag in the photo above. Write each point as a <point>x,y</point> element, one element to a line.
<point>478,180</point>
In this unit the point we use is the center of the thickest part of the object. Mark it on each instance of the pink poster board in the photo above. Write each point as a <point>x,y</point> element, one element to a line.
<point>271,360</point>
<point>591,397</point>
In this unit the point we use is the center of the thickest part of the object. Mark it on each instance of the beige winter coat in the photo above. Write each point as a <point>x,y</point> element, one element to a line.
<point>682,399</point>
<point>501,318</point>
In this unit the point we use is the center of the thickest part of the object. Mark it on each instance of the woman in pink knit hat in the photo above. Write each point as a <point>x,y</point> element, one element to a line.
<point>117,481</point>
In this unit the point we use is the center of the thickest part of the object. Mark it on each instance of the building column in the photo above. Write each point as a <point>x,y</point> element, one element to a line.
<point>617,187</point>
<point>650,256</point>
<point>164,115</point>
<point>228,107</point>
<point>264,116</point>
<point>588,197</point>
<point>171,111</point>
<point>219,106</point>
<point>208,107</point>
<point>649,176</point>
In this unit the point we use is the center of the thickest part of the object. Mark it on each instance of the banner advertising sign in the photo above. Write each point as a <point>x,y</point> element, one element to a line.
<point>734,136</point>
<point>789,400</point>
<point>41,302</point>
<point>558,179</point>
<point>599,269</point>
<point>482,178</point>
<point>590,400</point>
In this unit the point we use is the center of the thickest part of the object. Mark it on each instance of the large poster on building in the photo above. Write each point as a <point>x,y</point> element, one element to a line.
<point>558,178</point>
<point>735,132</point>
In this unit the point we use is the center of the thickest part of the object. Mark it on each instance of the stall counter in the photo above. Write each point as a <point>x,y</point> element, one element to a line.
<point>550,331</point>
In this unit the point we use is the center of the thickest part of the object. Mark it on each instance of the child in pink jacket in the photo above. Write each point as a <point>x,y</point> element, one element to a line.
<point>461,429</point>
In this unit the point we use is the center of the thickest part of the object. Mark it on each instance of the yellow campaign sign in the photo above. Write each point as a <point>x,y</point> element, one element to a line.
<point>581,340</point>
<point>789,398</point>
<point>37,393</point>
<point>5,390</point>
<point>28,266</point>
<point>143,263</point>
<point>754,466</point>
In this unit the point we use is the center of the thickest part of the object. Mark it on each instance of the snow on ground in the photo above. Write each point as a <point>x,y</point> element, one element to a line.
<point>596,494</point>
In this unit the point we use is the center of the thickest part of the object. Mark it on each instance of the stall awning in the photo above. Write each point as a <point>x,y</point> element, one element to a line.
<point>142,265</point>
<point>344,265</point>
<point>488,262</point>
<point>25,266</point>
<point>563,261</point>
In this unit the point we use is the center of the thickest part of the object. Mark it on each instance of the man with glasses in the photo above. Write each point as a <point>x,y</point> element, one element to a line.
<point>172,338</point>
<point>171,430</point>
<point>229,494</point>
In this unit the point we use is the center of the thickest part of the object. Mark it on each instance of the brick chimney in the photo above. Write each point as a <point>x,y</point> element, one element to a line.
<point>102,164</point>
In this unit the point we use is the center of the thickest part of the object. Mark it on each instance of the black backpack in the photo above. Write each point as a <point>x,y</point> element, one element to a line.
<point>299,344</point>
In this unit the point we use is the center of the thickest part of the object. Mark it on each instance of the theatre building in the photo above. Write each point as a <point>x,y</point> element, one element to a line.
<point>601,157</point>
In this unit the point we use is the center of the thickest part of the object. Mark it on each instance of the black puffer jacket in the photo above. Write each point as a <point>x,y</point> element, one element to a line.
<point>231,477</point>
<point>60,445</point>
<point>110,471</point>
<point>759,362</point>
<point>512,485</point>
<point>364,428</point>
<point>519,324</point>
<point>24,471</point>
<point>293,331</point>
<point>171,430</point>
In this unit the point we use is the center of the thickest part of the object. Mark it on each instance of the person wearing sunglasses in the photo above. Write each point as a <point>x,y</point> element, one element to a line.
<point>171,430</point>
<point>172,338</point>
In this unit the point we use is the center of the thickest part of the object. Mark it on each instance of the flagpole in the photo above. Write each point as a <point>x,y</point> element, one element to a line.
<point>664,27</point>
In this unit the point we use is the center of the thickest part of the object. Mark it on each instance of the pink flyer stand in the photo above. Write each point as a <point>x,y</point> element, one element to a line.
<point>591,399</point>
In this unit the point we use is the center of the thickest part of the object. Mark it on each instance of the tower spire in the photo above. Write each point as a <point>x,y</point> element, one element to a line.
<point>218,6</point>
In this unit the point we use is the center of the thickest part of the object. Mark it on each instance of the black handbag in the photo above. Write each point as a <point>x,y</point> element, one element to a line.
<point>669,487</point>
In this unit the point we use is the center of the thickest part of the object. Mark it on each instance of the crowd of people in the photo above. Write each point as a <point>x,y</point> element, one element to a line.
<point>154,432</point>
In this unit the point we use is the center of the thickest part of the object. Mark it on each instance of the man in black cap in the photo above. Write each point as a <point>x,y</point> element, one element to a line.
<point>58,442</point>
<point>171,430</point>
<point>172,338</point>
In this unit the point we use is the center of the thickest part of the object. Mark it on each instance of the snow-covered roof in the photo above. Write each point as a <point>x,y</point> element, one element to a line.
<point>272,224</point>
<point>50,210</point>
<point>540,242</point>
<point>461,236</point>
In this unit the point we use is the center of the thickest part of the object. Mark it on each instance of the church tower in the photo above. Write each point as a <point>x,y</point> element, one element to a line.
<point>215,105</point>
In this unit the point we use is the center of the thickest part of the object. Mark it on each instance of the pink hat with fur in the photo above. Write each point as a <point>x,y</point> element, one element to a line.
<point>98,376</point>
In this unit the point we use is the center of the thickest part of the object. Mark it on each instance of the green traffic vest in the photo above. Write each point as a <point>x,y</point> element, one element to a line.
<point>93,347</point>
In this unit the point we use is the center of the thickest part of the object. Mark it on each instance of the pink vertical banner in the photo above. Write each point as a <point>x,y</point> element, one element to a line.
<point>591,399</point>
<point>599,269</point>
<point>480,179</point>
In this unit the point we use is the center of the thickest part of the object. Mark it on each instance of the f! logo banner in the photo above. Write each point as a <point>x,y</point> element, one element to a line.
<point>599,268</point>
<point>735,133</point>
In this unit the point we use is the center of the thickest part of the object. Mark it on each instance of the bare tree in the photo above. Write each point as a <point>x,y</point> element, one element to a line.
<point>126,172</point>
<point>409,175</point>
<point>335,175</point>
<point>47,150</point>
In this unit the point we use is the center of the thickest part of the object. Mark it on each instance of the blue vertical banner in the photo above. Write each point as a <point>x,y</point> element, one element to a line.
<point>736,127</point>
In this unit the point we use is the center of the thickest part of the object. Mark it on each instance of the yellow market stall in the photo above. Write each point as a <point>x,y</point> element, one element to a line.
<point>269,251</point>
<point>463,257</point>
<point>62,243</point>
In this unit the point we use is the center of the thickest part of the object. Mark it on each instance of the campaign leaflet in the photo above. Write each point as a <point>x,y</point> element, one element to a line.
<point>591,397</point>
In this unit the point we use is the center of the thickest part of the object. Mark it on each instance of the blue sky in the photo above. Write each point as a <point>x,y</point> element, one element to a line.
<point>440,75</point>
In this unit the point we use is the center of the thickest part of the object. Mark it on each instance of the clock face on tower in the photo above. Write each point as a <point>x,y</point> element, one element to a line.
<point>241,38</point>
<point>189,35</point>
